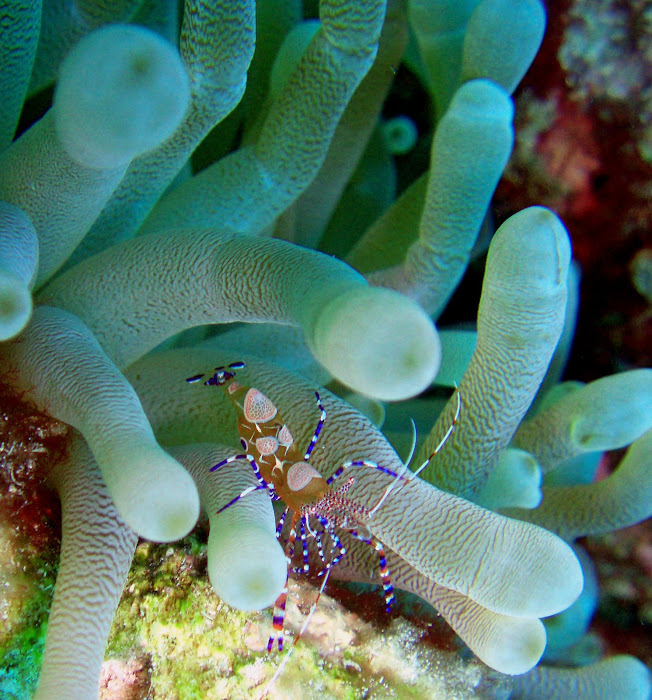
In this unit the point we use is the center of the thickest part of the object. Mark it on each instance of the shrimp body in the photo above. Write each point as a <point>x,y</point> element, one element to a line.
<point>266,437</point>
<point>316,507</point>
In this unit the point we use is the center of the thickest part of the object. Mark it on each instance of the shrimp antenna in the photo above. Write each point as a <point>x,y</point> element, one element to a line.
<point>446,436</point>
<point>414,443</point>
<point>400,474</point>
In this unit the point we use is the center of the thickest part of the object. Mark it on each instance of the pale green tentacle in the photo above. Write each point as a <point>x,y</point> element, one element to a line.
<point>620,500</point>
<point>96,551</point>
<point>507,644</point>
<point>619,676</point>
<point>469,152</point>
<point>217,43</point>
<point>21,22</point>
<point>274,19</point>
<point>294,139</point>
<point>387,241</point>
<point>502,38</point>
<point>284,346</point>
<point>520,318</point>
<point>63,24</point>
<point>516,481</point>
<point>60,366</point>
<point>317,204</point>
<point>375,340</point>
<point>439,26</point>
<point>121,91</point>
<point>457,348</point>
<point>18,265</point>
<point>606,414</point>
<point>246,563</point>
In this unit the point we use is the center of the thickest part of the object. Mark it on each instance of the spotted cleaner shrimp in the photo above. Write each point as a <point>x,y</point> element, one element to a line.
<point>317,507</point>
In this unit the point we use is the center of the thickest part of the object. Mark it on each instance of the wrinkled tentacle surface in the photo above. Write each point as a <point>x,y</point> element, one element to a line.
<point>375,340</point>
<point>607,414</point>
<point>294,139</point>
<point>475,135</point>
<point>427,527</point>
<point>97,547</point>
<point>508,644</point>
<point>246,564</point>
<point>315,206</point>
<point>63,370</point>
<point>618,676</point>
<point>121,91</point>
<point>622,499</point>
<point>18,40</point>
<point>520,319</point>
<point>217,42</point>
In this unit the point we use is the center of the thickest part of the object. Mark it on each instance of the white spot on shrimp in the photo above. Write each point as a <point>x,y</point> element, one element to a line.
<point>285,436</point>
<point>257,407</point>
<point>266,445</point>
<point>300,474</point>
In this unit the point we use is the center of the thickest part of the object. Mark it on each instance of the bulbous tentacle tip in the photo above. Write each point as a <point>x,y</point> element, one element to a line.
<point>378,342</point>
<point>620,676</point>
<point>613,411</point>
<point>563,581</point>
<point>15,304</point>
<point>501,40</point>
<point>155,496</point>
<point>518,648</point>
<point>122,90</point>
<point>246,566</point>
<point>550,581</point>
<point>537,236</point>
<point>632,677</point>
<point>482,100</point>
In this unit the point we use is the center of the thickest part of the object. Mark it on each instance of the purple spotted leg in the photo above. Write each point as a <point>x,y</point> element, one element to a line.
<point>246,492</point>
<point>320,547</point>
<point>279,604</point>
<point>384,572</point>
<point>360,463</point>
<point>305,567</point>
<point>320,425</point>
<point>337,544</point>
<point>265,484</point>
<point>281,522</point>
<point>262,484</point>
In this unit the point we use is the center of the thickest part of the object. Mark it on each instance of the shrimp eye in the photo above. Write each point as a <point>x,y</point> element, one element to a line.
<point>300,474</point>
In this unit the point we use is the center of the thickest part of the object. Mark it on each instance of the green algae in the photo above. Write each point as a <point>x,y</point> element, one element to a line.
<point>27,578</point>
<point>196,647</point>
<point>30,443</point>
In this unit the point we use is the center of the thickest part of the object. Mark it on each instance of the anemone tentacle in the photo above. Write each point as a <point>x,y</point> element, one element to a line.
<point>97,547</point>
<point>375,340</point>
